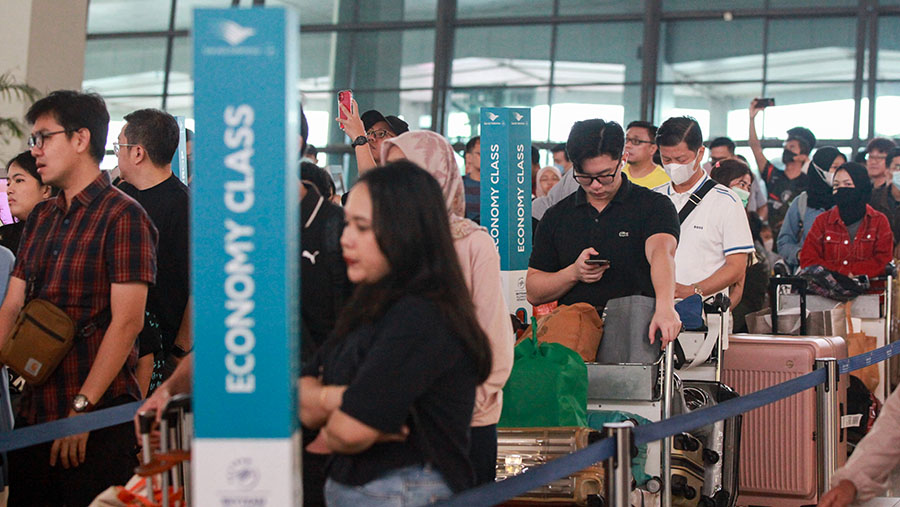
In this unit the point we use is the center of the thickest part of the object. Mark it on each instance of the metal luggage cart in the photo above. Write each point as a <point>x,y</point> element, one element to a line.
<point>647,390</point>
<point>704,349</point>
<point>167,466</point>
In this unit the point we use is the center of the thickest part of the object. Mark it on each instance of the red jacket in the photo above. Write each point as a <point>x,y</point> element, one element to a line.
<point>828,244</point>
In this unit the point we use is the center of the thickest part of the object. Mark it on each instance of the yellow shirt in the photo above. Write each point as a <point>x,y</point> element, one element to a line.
<point>656,177</point>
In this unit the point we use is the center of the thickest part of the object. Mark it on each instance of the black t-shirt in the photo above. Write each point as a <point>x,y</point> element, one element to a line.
<point>406,369</point>
<point>324,285</point>
<point>10,234</point>
<point>882,200</point>
<point>782,190</point>
<point>168,205</point>
<point>618,234</point>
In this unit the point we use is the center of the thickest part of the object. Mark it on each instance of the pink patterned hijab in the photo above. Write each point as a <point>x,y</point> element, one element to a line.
<point>432,152</point>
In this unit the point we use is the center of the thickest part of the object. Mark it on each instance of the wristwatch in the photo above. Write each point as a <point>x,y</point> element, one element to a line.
<point>81,404</point>
<point>360,141</point>
<point>179,352</point>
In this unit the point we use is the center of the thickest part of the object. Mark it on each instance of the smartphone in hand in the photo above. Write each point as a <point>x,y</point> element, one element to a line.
<point>345,98</point>
<point>764,103</point>
<point>595,260</point>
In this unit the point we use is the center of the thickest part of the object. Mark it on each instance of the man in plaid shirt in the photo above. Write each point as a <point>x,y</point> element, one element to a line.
<point>91,251</point>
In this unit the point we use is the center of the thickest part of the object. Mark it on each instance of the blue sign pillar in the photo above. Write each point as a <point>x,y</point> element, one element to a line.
<point>245,233</point>
<point>179,160</point>
<point>506,196</point>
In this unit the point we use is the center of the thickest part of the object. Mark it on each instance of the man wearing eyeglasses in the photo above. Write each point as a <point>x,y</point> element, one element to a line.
<point>609,239</point>
<point>640,146</point>
<point>91,251</point>
<point>144,149</point>
<point>876,156</point>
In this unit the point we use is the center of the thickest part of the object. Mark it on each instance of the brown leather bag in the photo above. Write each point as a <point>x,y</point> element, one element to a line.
<point>860,343</point>
<point>577,326</point>
<point>41,337</point>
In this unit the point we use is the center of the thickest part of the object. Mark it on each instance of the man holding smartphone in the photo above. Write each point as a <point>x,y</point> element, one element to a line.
<point>610,239</point>
<point>367,132</point>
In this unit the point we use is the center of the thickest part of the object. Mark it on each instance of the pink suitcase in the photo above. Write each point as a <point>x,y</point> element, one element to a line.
<point>778,448</point>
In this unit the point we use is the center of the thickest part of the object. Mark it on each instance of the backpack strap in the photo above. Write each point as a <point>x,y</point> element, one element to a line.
<point>695,199</point>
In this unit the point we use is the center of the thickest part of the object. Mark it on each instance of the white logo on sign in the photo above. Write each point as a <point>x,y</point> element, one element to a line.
<point>234,33</point>
<point>33,366</point>
<point>310,256</point>
<point>518,116</point>
<point>492,116</point>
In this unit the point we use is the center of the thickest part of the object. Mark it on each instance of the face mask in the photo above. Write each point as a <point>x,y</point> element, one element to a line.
<point>768,244</point>
<point>560,167</point>
<point>788,156</point>
<point>896,179</point>
<point>679,173</point>
<point>828,177</point>
<point>742,194</point>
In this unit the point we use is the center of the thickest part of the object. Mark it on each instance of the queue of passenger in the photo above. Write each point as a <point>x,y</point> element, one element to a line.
<point>402,280</point>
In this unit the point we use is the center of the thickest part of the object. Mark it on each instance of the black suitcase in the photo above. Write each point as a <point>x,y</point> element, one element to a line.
<point>721,442</point>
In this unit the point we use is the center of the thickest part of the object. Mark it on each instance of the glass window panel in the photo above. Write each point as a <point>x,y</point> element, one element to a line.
<point>711,50</point>
<point>125,67</point>
<point>184,10</point>
<point>887,121</point>
<point>598,53</point>
<point>825,109</point>
<point>817,49</point>
<point>704,5</point>
<point>316,61</point>
<point>181,80</point>
<point>574,7</point>
<point>720,109</point>
<point>418,10</point>
<point>889,47</point>
<point>311,11</point>
<point>377,65</point>
<point>619,103</point>
<point>317,108</point>
<point>105,16</point>
<point>464,112</point>
<point>501,55</point>
<point>813,3</point>
<point>503,8</point>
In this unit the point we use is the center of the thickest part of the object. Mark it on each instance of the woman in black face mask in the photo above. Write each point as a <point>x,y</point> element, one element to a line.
<point>815,200</point>
<point>852,238</point>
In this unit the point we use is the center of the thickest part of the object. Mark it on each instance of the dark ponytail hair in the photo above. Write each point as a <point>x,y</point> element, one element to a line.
<point>409,218</point>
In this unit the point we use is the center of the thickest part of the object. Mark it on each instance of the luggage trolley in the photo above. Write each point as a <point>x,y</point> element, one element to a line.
<point>874,309</point>
<point>703,349</point>
<point>166,471</point>
<point>646,390</point>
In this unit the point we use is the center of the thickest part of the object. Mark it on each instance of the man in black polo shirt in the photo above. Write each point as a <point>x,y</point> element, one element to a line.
<point>611,219</point>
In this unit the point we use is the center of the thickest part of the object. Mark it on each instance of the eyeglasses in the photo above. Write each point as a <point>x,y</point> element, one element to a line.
<point>588,180</point>
<point>36,140</point>
<point>876,157</point>
<point>372,135</point>
<point>636,142</point>
<point>116,146</point>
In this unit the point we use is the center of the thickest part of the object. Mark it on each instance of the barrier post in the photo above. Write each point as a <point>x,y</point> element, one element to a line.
<point>618,466</point>
<point>668,392</point>
<point>888,317</point>
<point>827,422</point>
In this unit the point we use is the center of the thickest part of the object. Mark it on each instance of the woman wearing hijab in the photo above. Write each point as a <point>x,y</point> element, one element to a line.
<point>817,199</point>
<point>546,179</point>
<point>851,238</point>
<point>480,265</point>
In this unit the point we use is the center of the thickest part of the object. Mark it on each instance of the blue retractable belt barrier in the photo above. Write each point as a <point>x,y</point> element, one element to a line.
<point>40,433</point>
<point>491,494</point>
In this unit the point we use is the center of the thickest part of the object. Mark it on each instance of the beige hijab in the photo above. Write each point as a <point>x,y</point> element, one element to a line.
<point>432,152</point>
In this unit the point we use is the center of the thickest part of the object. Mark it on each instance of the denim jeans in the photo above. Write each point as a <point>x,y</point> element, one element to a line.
<point>404,487</point>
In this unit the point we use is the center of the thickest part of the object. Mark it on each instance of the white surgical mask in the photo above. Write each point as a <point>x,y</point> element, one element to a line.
<point>679,173</point>
<point>896,179</point>
<point>768,244</point>
<point>826,175</point>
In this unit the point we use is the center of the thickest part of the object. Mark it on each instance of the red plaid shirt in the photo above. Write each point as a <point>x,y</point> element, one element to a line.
<point>828,244</point>
<point>76,252</point>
